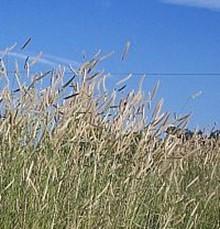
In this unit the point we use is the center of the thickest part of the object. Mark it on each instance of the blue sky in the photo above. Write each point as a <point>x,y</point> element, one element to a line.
<point>166,36</point>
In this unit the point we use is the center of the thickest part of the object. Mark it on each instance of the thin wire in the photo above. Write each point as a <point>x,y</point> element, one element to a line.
<point>171,74</point>
<point>159,74</point>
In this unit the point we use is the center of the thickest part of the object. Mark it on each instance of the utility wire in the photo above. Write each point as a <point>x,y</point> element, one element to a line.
<point>171,74</point>
<point>158,74</point>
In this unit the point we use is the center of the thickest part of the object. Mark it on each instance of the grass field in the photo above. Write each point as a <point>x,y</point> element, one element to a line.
<point>74,155</point>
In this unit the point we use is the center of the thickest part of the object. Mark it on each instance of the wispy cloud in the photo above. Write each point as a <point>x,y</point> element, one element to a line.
<point>22,56</point>
<point>208,4</point>
<point>47,59</point>
<point>62,60</point>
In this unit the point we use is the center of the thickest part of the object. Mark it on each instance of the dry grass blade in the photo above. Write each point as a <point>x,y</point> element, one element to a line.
<point>183,123</point>
<point>47,185</point>
<point>160,119</point>
<point>27,42</point>
<point>7,187</point>
<point>121,88</point>
<point>38,78</point>
<point>192,182</point>
<point>17,77</point>
<point>185,117</point>
<point>140,83</point>
<point>124,79</point>
<point>166,120</point>
<point>7,51</point>
<point>106,56</point>
<point>126,49</point>
<point>72,70</point>
<point>3,70</point>
<point>69,81</point>
<point>30,170</point>
<point>87,67</point>
<point>107,104</point>
<point>36,59</point>
<point>26,64</point>
<point>154,91</point>
<point>71,96</point>
<point>157,109</point>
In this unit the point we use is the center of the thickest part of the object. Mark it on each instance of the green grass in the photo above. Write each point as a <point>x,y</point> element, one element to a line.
<point>87,170</point>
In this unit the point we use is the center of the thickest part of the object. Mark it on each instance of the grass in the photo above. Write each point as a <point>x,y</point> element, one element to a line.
<point>73,155</point>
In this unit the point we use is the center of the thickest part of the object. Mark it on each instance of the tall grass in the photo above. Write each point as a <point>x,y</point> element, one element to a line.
<point>75,155</point>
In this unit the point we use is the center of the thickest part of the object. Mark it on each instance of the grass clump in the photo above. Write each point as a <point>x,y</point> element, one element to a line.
<point>74,155</point>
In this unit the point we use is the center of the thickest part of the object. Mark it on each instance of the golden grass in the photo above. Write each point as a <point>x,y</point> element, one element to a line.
<point>74,155</point>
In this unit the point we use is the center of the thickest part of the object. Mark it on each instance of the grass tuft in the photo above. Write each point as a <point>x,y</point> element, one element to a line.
<point>74,155</point>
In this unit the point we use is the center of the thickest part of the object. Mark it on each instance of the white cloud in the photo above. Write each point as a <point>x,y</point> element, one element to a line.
<point>47,59</point>
<point>209,4</point>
